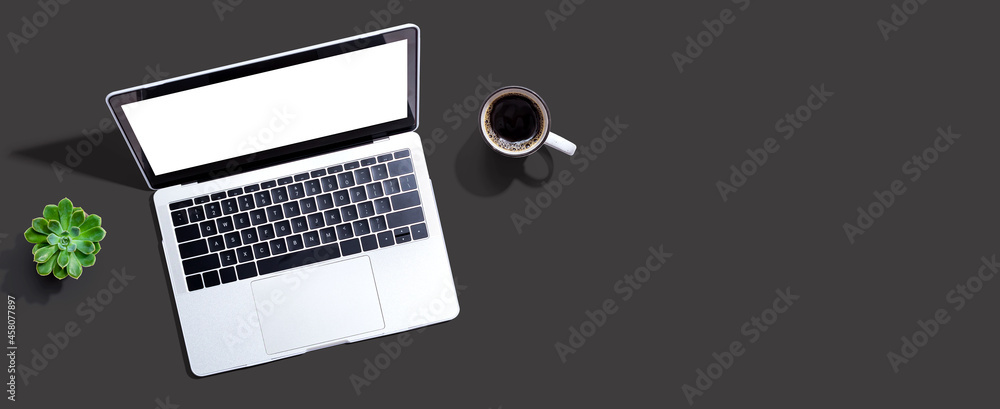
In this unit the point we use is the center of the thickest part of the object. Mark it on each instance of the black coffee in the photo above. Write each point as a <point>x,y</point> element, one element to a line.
<point>515,118</point>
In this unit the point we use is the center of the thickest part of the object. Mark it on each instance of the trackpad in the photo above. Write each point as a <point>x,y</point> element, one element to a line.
<point>316,305</point>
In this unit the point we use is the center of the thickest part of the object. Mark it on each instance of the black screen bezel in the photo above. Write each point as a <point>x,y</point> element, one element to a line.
<point>270,157</point>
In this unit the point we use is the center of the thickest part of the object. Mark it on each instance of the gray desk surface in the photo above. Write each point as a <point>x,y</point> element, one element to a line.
<point>655,184</point>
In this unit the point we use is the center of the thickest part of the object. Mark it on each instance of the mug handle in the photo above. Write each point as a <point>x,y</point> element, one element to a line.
<point>560,144</point>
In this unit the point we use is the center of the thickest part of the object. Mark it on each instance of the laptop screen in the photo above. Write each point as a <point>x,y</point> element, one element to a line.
<point>274,109</point>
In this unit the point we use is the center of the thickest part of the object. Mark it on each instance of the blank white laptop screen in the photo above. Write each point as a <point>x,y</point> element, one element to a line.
<point>272,109</point>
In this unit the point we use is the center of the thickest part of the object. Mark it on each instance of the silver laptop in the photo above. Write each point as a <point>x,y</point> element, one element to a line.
<point>293,199</point>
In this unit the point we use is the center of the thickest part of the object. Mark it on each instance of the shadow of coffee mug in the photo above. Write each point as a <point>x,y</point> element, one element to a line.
<point>515,122</point>
<point>484,173</point>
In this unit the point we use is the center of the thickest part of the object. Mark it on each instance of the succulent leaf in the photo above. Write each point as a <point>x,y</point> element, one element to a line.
<point>74,269</point>
<point>63,258</point>
<point>46,267</point>
<point>65,211</point>
<point>58,272</point>
<point>74,231</point>
<point>55,227</point>
<point>51,212</point>
<point>43,254</point>
<point>40,225</point>
<point>92,221</point>
<point>33,236</point>
<point>95,234</point>
<point>71,248</point>
<point>84,246</point>
<point>37,246</point>
<point>97,248</point>
<point>52,238</point>
<point>77,218</point>
<point>86,260</point>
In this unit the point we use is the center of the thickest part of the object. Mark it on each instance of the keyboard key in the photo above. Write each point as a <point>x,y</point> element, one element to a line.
<point>329,183</point>
<point>341,197</point>
<point>385,239</point>
<point>258,217</point>
<point>244,254</point>
<point>200,200</point>
<point>344,231</point>
<point>296,191</point>
<point>385,158</point>
<point>181,204</point>
<point>224,225</point>
<point>298,259</point>
<point>262,198</point>
<point>241,221</point>
<point>279,195</point>
<point>317,173</point>
<point>366,210</point>
<point>369,242</point>
<point>374,190</point>
<point>269,184</point>
<point>400,167</point>
<point>194,282</point>
<point>308,205</point>
<point>278,246</point>
<point>265,232</point>
<point>285,181</point>
<point>378,223</point>
<point>179,217</point>
<point>418,231</point>
<point>274,213</point>
<point>408,182</point>
<point>391,186</point>
<point>245,271</point>
<point>229,206</point>
<point>351,165</point>
<point>402,235</point>
<point>196,214</point>
<point>302,176</point>
<point>345,179</point>
<point>379,172</point>
<point>299,224</point>
<point>228,258</point>
<point>351,246</point>
<point>311,239</point>
<point>228,274</point>
<point>249,235</point>
<point>349,213</point>
<point>312,187</point>
<point>234,192</point>
<point>328,235</point>
<point>252,188</point>
<point>332,217</point>
<point>334,169</point>
<point>315,221</point>
<point>213,210</point>
<point>362,176</point>
<point>294,243</point>
<point>360,227</point>
<point>282,228</point>
<point>382,206</point>
<point>246,202</point>
<point>218,195</point>
<point>233,240</point>
<point>405,217</point>
<point>324,201</point>
<point>216,244</point>
<point>402,154</point>
<point>211,278</point>
<point>208,229</point>
<point>193,248</point>
<point>261,250</point>
<point>187,233</point>
<point>368,162</point>
<point>199,264</point>
<point>291,209</point>
<point>358,194</point>
<point>405,200</point>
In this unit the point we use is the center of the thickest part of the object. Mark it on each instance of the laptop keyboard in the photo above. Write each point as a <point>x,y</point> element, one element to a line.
<point>297,220</point>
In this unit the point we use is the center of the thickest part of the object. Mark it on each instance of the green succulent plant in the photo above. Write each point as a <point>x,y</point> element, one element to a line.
<point>66,240</point>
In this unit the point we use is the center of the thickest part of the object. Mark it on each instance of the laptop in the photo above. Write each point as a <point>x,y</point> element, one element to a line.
<point>293,199</point>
